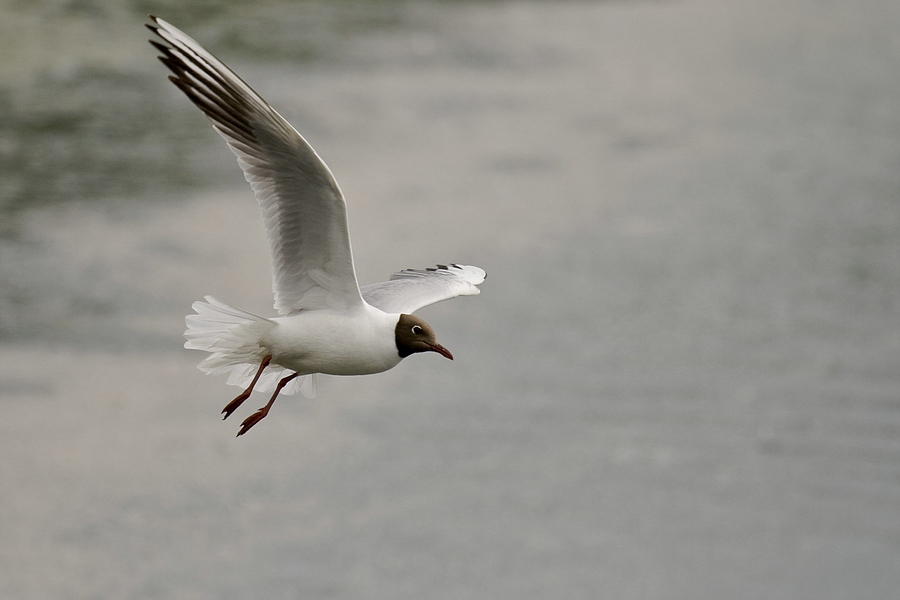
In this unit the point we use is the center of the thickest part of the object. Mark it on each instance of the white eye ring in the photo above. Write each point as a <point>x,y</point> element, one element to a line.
<point>416,329</point>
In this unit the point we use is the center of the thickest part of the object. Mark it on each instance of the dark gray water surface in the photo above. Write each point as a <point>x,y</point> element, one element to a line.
<point>681,380</point>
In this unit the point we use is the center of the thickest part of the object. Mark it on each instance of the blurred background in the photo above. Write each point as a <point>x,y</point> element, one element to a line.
<point>681,380</point>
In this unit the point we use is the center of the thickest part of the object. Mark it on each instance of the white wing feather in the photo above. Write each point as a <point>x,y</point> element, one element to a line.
<point>304,210</point>
<point>411,289</point>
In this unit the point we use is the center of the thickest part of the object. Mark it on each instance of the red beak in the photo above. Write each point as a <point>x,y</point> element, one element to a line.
<point>441,350</point>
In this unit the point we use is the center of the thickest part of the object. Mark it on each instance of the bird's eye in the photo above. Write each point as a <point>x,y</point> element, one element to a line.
<point>416,329</point>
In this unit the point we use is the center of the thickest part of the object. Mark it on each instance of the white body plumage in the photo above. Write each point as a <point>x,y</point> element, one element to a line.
<point>360,342</point>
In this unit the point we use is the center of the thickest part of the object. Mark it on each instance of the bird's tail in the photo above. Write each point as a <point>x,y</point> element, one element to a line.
<point>231,336</point>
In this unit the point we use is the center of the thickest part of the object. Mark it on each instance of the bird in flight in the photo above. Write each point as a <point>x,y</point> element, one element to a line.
<point>327,322</point>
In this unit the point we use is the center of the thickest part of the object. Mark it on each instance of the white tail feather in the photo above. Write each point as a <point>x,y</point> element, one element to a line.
<point>231,336</point>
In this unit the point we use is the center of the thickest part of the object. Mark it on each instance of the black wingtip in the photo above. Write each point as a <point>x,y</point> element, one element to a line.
<point>154,27</point>
<point>162,49</point>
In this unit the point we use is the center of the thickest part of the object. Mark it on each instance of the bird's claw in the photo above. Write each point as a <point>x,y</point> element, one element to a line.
<point>234,404</point>
<point>252,420</point>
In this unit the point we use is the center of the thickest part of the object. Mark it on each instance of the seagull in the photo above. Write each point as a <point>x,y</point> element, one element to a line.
<point>327,323</point>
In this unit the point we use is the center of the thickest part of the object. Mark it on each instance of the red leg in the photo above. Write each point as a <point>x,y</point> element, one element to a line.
<point>258,415</point>
<point>232,406</point>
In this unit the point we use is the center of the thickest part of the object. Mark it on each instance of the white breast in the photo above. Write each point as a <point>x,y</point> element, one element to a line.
<point>335,343</point>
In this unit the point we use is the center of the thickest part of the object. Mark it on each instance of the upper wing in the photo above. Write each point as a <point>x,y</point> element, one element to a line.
<point>304,210</point>
<point>411,289</point>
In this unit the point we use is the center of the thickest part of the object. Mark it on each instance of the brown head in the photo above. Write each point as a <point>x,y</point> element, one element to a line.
<point>412,335</point>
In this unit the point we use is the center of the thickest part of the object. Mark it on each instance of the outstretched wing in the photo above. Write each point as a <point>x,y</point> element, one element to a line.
<point>411,289</point>
<point>303,208</point>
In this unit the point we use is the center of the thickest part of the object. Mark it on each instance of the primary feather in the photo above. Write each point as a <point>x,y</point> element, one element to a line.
<point>304,210</point>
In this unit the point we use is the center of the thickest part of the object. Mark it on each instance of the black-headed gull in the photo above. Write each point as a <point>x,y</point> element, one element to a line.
<point>328,323</point>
